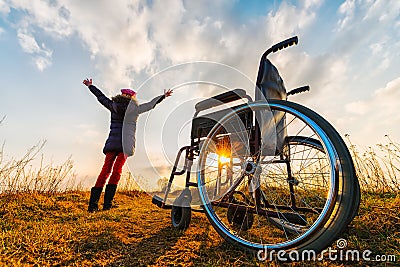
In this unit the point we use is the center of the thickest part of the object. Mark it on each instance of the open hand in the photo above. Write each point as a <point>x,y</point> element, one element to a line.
<point>168,92</point>
<point>87,82</point>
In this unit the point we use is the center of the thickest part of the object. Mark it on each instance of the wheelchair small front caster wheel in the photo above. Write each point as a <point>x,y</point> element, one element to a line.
<point>181,214</point>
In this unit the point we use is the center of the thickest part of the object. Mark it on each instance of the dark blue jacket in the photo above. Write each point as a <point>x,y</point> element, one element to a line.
<point>118,107</point>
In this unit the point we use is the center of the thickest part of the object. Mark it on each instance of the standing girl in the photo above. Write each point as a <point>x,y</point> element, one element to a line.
<point>116,152</point>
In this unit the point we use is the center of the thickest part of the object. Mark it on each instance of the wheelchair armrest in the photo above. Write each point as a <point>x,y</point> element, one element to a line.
<point>202,125</point>
<point>217,100</point>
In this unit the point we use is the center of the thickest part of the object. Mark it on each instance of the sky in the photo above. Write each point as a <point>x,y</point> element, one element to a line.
<point>348,53</point>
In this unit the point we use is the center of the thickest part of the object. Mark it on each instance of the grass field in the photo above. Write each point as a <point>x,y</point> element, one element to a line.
<point>44,222</point>
<point>56,230</point>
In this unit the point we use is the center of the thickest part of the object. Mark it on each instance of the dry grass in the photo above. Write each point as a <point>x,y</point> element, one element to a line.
<point>42,229</point>
<point>19,175</point>
<point>378,169</point>
<point>56,230</point>
<point>60,232</point>
<point>377,227</point>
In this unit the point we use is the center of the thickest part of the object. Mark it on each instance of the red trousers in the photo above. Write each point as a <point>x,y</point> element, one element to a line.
<point>114,161</point>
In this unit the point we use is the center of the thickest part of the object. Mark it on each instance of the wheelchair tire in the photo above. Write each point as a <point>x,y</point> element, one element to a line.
<point>323,182</point>
<point>181,215</point>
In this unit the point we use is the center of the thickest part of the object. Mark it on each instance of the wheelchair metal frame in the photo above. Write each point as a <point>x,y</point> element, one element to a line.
<point>202,125</point>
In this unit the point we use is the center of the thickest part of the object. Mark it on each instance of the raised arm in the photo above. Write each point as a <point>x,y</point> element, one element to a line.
<point>104,100</point>
<point>150,105</point>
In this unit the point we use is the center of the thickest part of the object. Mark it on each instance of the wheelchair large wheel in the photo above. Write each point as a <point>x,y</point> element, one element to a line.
<point>300,195</point>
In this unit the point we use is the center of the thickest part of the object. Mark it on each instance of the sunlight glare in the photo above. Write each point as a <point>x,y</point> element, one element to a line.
<point>223,160</point>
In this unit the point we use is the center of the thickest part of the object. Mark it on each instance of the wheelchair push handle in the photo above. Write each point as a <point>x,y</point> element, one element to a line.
<point>288,42</point>
<point>299,90</point>
<point>279,46</point>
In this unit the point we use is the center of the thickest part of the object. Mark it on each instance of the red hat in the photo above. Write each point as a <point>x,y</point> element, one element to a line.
<point>128,91</point>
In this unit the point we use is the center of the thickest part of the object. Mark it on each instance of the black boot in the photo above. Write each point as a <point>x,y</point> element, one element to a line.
<point>109,196</point>
<point>95,193</point>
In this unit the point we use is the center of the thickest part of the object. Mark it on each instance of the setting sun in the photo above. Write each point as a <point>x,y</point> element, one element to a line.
<point>223,159</point>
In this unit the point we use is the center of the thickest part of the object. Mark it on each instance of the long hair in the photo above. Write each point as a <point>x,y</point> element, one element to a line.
<point>124,99</point>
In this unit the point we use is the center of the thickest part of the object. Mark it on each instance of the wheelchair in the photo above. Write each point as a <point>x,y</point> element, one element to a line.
<point>271,174</point>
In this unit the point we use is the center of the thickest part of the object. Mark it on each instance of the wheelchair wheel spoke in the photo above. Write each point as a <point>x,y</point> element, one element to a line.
<point>265,197</point>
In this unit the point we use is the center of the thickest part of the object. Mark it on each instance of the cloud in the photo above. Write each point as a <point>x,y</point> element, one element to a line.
<point>89,136</point>
<point>130,38</point>
<point>42,62</point>
<point>378,114</point>
<point>49,16</point>
<point>4,8</point>
<point>117,36</point>
<point>357,107</point>
<point>361,21</point>
<point>355,13</point>
<point>347,8</point>
<point>28,43</point>
<point>385,100</point>
<point>2,30</point>
<point>366,37</point>
<point>289,19</point>
<point>390,91</point>
<point>41,54</point>
<point>382,10</point>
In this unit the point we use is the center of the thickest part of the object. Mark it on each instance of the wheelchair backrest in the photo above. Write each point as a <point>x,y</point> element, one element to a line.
<point>269,83</point>
<point>270,86</point>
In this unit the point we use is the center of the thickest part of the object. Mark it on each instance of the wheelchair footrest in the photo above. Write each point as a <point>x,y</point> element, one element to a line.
<point>157,200</point>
